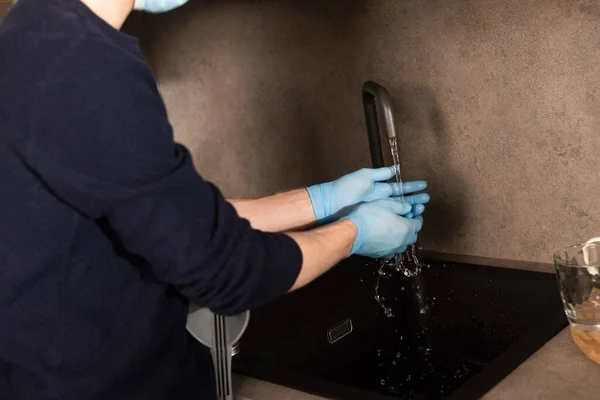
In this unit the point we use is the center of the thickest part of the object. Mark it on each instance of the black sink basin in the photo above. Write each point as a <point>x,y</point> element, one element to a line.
<point>457,330</point>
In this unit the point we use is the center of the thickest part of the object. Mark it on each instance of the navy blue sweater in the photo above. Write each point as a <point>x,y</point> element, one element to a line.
<point>106,229</point>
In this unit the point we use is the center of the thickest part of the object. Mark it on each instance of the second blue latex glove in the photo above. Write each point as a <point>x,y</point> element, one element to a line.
<point>362,186</point>
<point>382,231</point>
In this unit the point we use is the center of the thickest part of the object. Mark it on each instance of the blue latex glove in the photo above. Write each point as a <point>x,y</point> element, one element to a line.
<point>158,6</point>
<point>364,185</point>
<point>416,210</point>
<point>382,232</point>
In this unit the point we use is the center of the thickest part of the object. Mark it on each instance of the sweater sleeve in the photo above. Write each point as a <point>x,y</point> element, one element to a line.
<point>107,150</point>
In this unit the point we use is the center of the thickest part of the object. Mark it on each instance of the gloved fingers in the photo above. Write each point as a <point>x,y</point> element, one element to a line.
<point>406,187</point>
<point>417,224</point>
<point>421,198</point>
<point>395,206</point>
<point>412,239</point>
<point>394,189</point>
<point>417,210</point>
<point>383,174</point>
<point>381,191</point>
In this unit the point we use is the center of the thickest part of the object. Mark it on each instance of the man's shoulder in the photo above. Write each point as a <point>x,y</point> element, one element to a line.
<point>64,48</point>
<point>39,34</point>
<point>41,25</point>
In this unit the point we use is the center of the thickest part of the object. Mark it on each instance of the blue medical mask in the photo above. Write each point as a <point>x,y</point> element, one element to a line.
<point>158,6</point>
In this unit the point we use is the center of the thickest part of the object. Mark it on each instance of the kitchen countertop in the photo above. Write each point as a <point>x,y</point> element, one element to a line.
<point>557,371</point>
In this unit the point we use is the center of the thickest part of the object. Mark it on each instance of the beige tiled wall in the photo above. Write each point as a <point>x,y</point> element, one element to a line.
<point>499,103</point>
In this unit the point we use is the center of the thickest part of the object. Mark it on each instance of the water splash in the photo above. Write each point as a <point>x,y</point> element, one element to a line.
<point>414,265</point>
<point>381,273</point>
<point>408,263</point>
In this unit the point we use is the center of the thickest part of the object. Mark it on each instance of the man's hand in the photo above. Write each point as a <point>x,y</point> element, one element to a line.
<point>363,186</point>
<point>373,229</point>
<point>382,231</point>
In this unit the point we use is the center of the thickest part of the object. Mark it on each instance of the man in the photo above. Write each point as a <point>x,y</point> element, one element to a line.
<point>107,232</point>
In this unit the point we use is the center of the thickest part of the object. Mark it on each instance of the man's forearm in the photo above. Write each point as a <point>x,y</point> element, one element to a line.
<point>322,249</point>
<point>278,213</point>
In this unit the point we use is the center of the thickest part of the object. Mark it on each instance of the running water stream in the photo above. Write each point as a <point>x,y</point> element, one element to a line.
<point>407,263</point>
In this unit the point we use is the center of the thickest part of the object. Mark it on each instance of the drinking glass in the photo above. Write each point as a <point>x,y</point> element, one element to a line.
<point>577,270</point>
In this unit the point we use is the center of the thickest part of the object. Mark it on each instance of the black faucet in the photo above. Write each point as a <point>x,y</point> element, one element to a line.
<point>376,96</point>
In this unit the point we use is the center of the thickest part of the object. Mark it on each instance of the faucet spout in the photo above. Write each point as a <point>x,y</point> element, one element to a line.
<point>376,96</point>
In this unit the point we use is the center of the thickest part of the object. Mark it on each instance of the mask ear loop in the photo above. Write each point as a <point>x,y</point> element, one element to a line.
<point>586,253</point>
